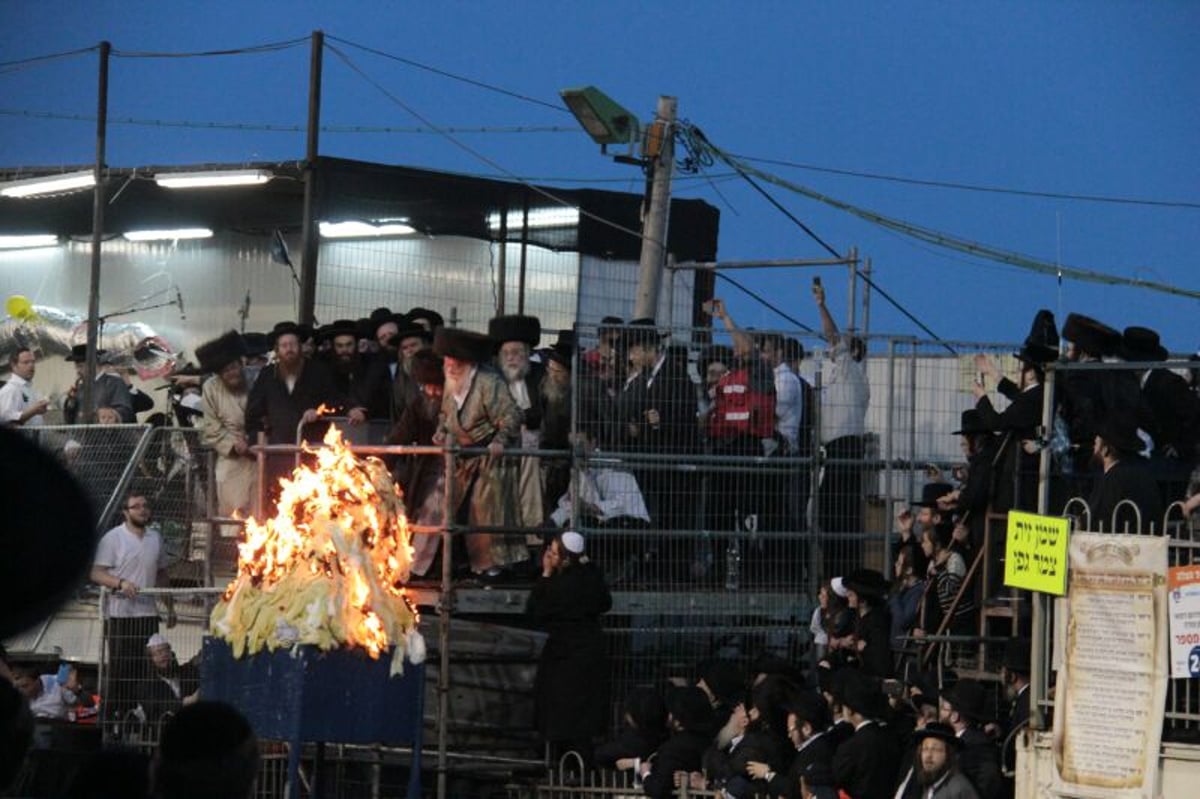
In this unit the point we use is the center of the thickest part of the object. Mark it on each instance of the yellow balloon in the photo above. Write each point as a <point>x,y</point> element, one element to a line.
<point>19,307</point>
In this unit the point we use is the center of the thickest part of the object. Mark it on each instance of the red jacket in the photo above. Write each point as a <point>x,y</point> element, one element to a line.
<point>740,409</point>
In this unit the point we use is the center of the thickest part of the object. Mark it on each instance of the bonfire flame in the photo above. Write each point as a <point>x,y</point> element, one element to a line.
<point>329,569</point>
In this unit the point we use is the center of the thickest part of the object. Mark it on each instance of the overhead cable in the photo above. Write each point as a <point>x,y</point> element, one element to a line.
<point>270,47</point>
<point>949,241</point>
<point>941,184</point>
<point>16,65</point>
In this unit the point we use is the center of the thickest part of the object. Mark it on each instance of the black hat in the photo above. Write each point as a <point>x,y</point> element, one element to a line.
<point>1017,655</point>
<point>863,695</point>
<point>641,331</point>
<point>306,333</point>
<point>610,324</point>
<point>931,493</point>
<point>647,709</point>
<point>380,317</point>
<point>562,351</point>
<point>936,729</point>
<point>48,520</point>
<point>1142,344</point>
<point>971,423</point>
<point>422,317</point>
<point>257,344</point>
<point>809,707</point>
<point>1041,345</point>
<point>284,329</point>
<point>967,697</point>
<point>427,369</point>
<point>690,708</point>
<point>1091,336</point>
<point>1120,433</point>
<point>339,327</point>
<point>866,582</point>
<point>218,353</point>
<point>527,329</point>
<point>79,354</point>
<point>462,345</point>
<point>410,329</point>
<point>724,679</point>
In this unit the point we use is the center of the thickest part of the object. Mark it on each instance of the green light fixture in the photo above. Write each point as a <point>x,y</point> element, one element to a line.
<point>604,119</point>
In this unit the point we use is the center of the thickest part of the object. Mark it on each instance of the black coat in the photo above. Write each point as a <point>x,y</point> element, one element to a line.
<point>875,629</point>
<point>1019,421</point>
<point>979,761</point>
<point>1127,479</point>
<point>1175,411</point>
<point>727,767</point>
<point>670,393</point>
<point>865,766</point>
<point>787,784</point>
<point>572,696</point>
<point>683,751</point>
<point>630,742</point>
<point>271,408</point>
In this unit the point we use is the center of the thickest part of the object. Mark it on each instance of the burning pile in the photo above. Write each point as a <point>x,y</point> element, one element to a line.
<point>330,568</point>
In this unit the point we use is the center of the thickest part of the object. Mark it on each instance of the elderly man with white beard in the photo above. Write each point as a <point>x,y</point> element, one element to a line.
<point>478,411</point>
<point>515,337</point>
<point>223,423</point>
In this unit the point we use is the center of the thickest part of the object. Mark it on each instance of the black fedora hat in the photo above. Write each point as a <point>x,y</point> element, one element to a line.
<point>1091,336</point>
<point>221,351</point>
<point>462,345</point>
<point>515,327</point>
<point>285,329</point>
<point>866,582</point>
<point>425,317</point>
<point>967,697</point>
<point>48,534</point>
<point>936,729</point>
<point>1120,433</point>
<point>641,331</point>
<point>931,493</point>
<point>971,423</point>
<point>409,329</point>
<point>863,694</point>
<point>1142,344</point>
<point>79,354</point>
<point>338,327</point>
<point>257,344</point>
<point>381,316</point>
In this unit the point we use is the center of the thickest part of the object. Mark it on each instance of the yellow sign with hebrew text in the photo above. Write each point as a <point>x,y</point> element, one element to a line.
<point>1035,553</point>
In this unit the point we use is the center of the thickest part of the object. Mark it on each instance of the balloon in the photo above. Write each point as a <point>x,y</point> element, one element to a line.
<point>19,307</point>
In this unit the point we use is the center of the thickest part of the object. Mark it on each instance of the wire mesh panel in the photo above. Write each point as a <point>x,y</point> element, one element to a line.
<point>149,665</point>
<point>99,456</point>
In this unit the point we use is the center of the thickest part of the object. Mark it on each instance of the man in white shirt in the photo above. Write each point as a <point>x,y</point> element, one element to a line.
<point>20,405</point>
<point>128,561</point>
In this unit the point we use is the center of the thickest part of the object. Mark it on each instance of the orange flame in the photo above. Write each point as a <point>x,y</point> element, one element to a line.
<point>330,567</point>
<point>325,410</point>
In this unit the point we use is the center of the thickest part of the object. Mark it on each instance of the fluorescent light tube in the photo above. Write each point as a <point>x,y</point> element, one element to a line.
<point>169,235</point>
<point>205,180</point>
<point>51,184</point>
<point>358,230</point>
<point>21,242</point>
<point>540,218</point>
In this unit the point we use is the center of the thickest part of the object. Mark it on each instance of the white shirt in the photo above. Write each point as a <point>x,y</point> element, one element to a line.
<point>464,388</point>
<point>135,558</point>
<point>789,405</point>
<point>845,395</point>
<point>612,492</point>
<point>15,398</point>
<point>54,701</point>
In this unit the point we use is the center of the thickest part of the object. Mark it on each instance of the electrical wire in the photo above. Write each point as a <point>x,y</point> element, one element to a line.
<point>16,65</point>
<point>949,241</point>
<point>270,47</point>
<point>941,184</point>
<point>480,156</point>
<point>446,74</point>
<point>763,300</point>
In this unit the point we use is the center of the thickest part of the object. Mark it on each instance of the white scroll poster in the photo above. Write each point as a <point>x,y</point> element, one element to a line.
<point>1112,685</point>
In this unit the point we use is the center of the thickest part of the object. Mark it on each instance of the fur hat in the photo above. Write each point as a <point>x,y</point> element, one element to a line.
<point>462,345</point>
<point>1091,336</point>
<point>218,353</point>
<point>527,329</point>
<point>427,369</point>
<point>1142,344</point>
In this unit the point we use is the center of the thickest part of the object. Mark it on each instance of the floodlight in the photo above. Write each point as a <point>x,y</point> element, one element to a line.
<point>205,180</point>
<point>604,119</point>
<point>48,184</point>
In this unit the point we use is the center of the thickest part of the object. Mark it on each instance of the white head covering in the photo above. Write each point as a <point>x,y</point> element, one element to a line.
<point>839,587</point>
<point>158,639</point>
<point>572,542</point>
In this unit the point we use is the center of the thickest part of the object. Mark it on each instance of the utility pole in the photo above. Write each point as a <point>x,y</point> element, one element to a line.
<point>660,152</point>
<point>309,241</point>
<point>87,392</point>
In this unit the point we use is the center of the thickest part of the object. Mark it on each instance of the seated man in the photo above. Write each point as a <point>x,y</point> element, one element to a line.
<point>172,685</point>
<point>51,696</point>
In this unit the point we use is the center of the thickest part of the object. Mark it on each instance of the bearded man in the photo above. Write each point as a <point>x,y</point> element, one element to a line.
<point>223,422</point>
<point>515,337</point>
<point>479,411</point>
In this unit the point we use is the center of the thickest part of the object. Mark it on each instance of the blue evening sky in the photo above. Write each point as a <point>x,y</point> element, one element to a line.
<point>1082,98</point>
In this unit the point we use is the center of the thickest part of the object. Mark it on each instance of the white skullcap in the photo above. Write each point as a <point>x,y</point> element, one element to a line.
<point>157,640</point>
<point>839,587</point>
<point>572,542</point>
